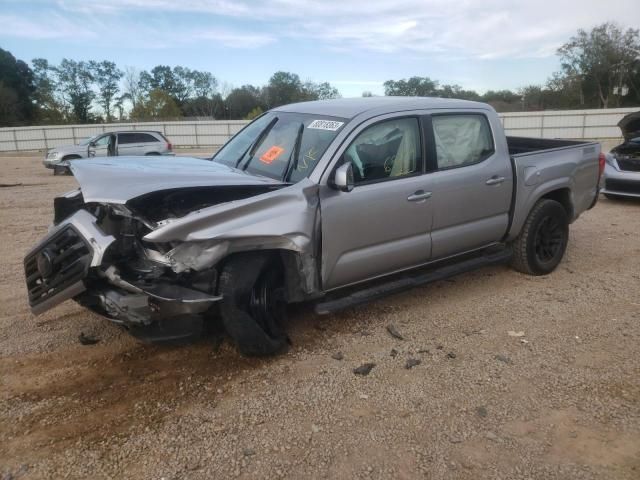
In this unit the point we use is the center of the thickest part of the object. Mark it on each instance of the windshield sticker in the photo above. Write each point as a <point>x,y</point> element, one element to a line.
<point>270,155</point>
<point>330,125</point>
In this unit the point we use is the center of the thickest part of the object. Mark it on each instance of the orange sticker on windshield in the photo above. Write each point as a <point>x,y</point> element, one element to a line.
<point>270,155</point>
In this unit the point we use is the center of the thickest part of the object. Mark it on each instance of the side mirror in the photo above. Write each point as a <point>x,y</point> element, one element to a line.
<point>92,144</point>
<point>343,178</point>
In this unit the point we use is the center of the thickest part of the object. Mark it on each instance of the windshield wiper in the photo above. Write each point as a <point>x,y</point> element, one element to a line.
<point>292,163</point>
<point>251,149</point>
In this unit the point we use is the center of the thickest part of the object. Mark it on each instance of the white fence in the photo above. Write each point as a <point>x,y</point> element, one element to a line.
<point>575,124</point>
<point>181,134</point>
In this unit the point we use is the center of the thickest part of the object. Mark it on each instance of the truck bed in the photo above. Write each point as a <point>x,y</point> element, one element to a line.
<point>567,167</point>
<point>521,146</point>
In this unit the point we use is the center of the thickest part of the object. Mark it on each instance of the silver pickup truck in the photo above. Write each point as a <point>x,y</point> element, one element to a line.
<point>336,202</point>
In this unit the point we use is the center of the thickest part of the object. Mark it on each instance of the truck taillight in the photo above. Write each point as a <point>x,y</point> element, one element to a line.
<point>601,161</point>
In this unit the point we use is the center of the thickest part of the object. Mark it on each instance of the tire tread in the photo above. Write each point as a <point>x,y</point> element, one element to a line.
<point>520,258</point>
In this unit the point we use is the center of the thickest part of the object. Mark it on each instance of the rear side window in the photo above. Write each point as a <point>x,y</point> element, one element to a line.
<point>124,138</point>
<point>135,137</point>
<point>461,140</point>
<point>386,150</point>
<point>146,138</point>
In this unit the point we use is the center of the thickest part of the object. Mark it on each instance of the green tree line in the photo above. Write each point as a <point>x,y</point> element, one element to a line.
<point>600,68</point>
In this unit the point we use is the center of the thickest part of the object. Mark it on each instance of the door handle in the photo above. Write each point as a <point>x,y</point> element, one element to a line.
<point>419,195</point>
<point>495,181</point>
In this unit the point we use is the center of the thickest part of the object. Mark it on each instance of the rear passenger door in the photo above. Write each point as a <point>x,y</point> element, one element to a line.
<point>137,143</point>
<point>127,144</point>
<point>471,183</point>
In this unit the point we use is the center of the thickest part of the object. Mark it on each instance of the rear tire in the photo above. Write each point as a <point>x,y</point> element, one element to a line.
<point>253,303</point>
<point>539,248</point>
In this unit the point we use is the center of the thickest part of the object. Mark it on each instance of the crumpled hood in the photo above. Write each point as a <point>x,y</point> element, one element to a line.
<point>120,179</point>
<point>630,125</point>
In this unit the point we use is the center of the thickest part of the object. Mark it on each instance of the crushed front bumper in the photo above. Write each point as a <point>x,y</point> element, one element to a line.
<point>69,263</point>
<point>56,267</point>
<point>55,163</point>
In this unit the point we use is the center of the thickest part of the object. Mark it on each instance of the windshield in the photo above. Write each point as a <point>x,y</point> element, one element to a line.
<point>85,141</point>
<point>281,145</point>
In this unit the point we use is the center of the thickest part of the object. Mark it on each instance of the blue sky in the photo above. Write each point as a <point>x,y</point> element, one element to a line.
<point>354,44</point>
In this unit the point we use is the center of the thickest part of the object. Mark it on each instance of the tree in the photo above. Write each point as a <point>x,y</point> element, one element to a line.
<point>16,79</point>
<point>132,86</point>
<point>204,84</point>
<point>75,83</point>
<point>255,113</point>
<point>50,110</point>
<point>456,91</point>
<point>182,84</point>
<point>107,77</point>
<point>241,101</point>
<point>367,93</point>
<point>413,87</point>
<point>283,88</point>
<point>503,100</point>
<point>565,91</point>
<point>212,107</point>
<point>321,91</point>
<point>604,58</point>
<point>159,106</point>
<point>118,105</point>
<point>9,106</point>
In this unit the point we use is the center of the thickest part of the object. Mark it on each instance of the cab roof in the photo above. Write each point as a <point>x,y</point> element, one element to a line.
<point>352,107</point>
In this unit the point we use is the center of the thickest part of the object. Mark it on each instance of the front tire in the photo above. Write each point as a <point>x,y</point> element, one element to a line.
<point>539,248</point>
<point>253,306</point>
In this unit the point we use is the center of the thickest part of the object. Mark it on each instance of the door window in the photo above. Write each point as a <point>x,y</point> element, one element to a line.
<point>461,140</point>
<point>102,141</point>
<point>125,138</point>
<point>386,150</point>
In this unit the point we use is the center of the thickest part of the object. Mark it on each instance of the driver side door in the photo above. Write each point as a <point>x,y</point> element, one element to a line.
<point>383,224</point>
<point>98,148</point>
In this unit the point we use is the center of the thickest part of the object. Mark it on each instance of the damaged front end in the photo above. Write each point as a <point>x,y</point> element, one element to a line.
<point>95,256</point>
<point>149,262</point>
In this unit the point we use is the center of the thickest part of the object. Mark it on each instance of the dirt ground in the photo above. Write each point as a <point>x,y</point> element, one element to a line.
<point>560,402</point>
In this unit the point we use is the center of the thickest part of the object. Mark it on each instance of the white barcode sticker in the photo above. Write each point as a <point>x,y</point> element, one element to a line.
<point>325,125</point>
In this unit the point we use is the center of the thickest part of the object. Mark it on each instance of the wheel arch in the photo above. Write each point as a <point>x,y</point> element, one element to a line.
<point>526,199</point>
<point>300,271</point>
<point>71,156</point>
<point>563,197</point>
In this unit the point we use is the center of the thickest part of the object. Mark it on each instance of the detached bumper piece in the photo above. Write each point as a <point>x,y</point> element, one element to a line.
<point>161,313</point>
<point>55,269</point>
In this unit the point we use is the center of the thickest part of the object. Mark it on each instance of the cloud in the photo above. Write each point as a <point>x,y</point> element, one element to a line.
<point>39,28</point>
<point>465,29</point>
<point>236,39</point>
<point>121,32</point>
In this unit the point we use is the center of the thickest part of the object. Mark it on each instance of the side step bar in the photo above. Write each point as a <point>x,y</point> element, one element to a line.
<point>407,281</point>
